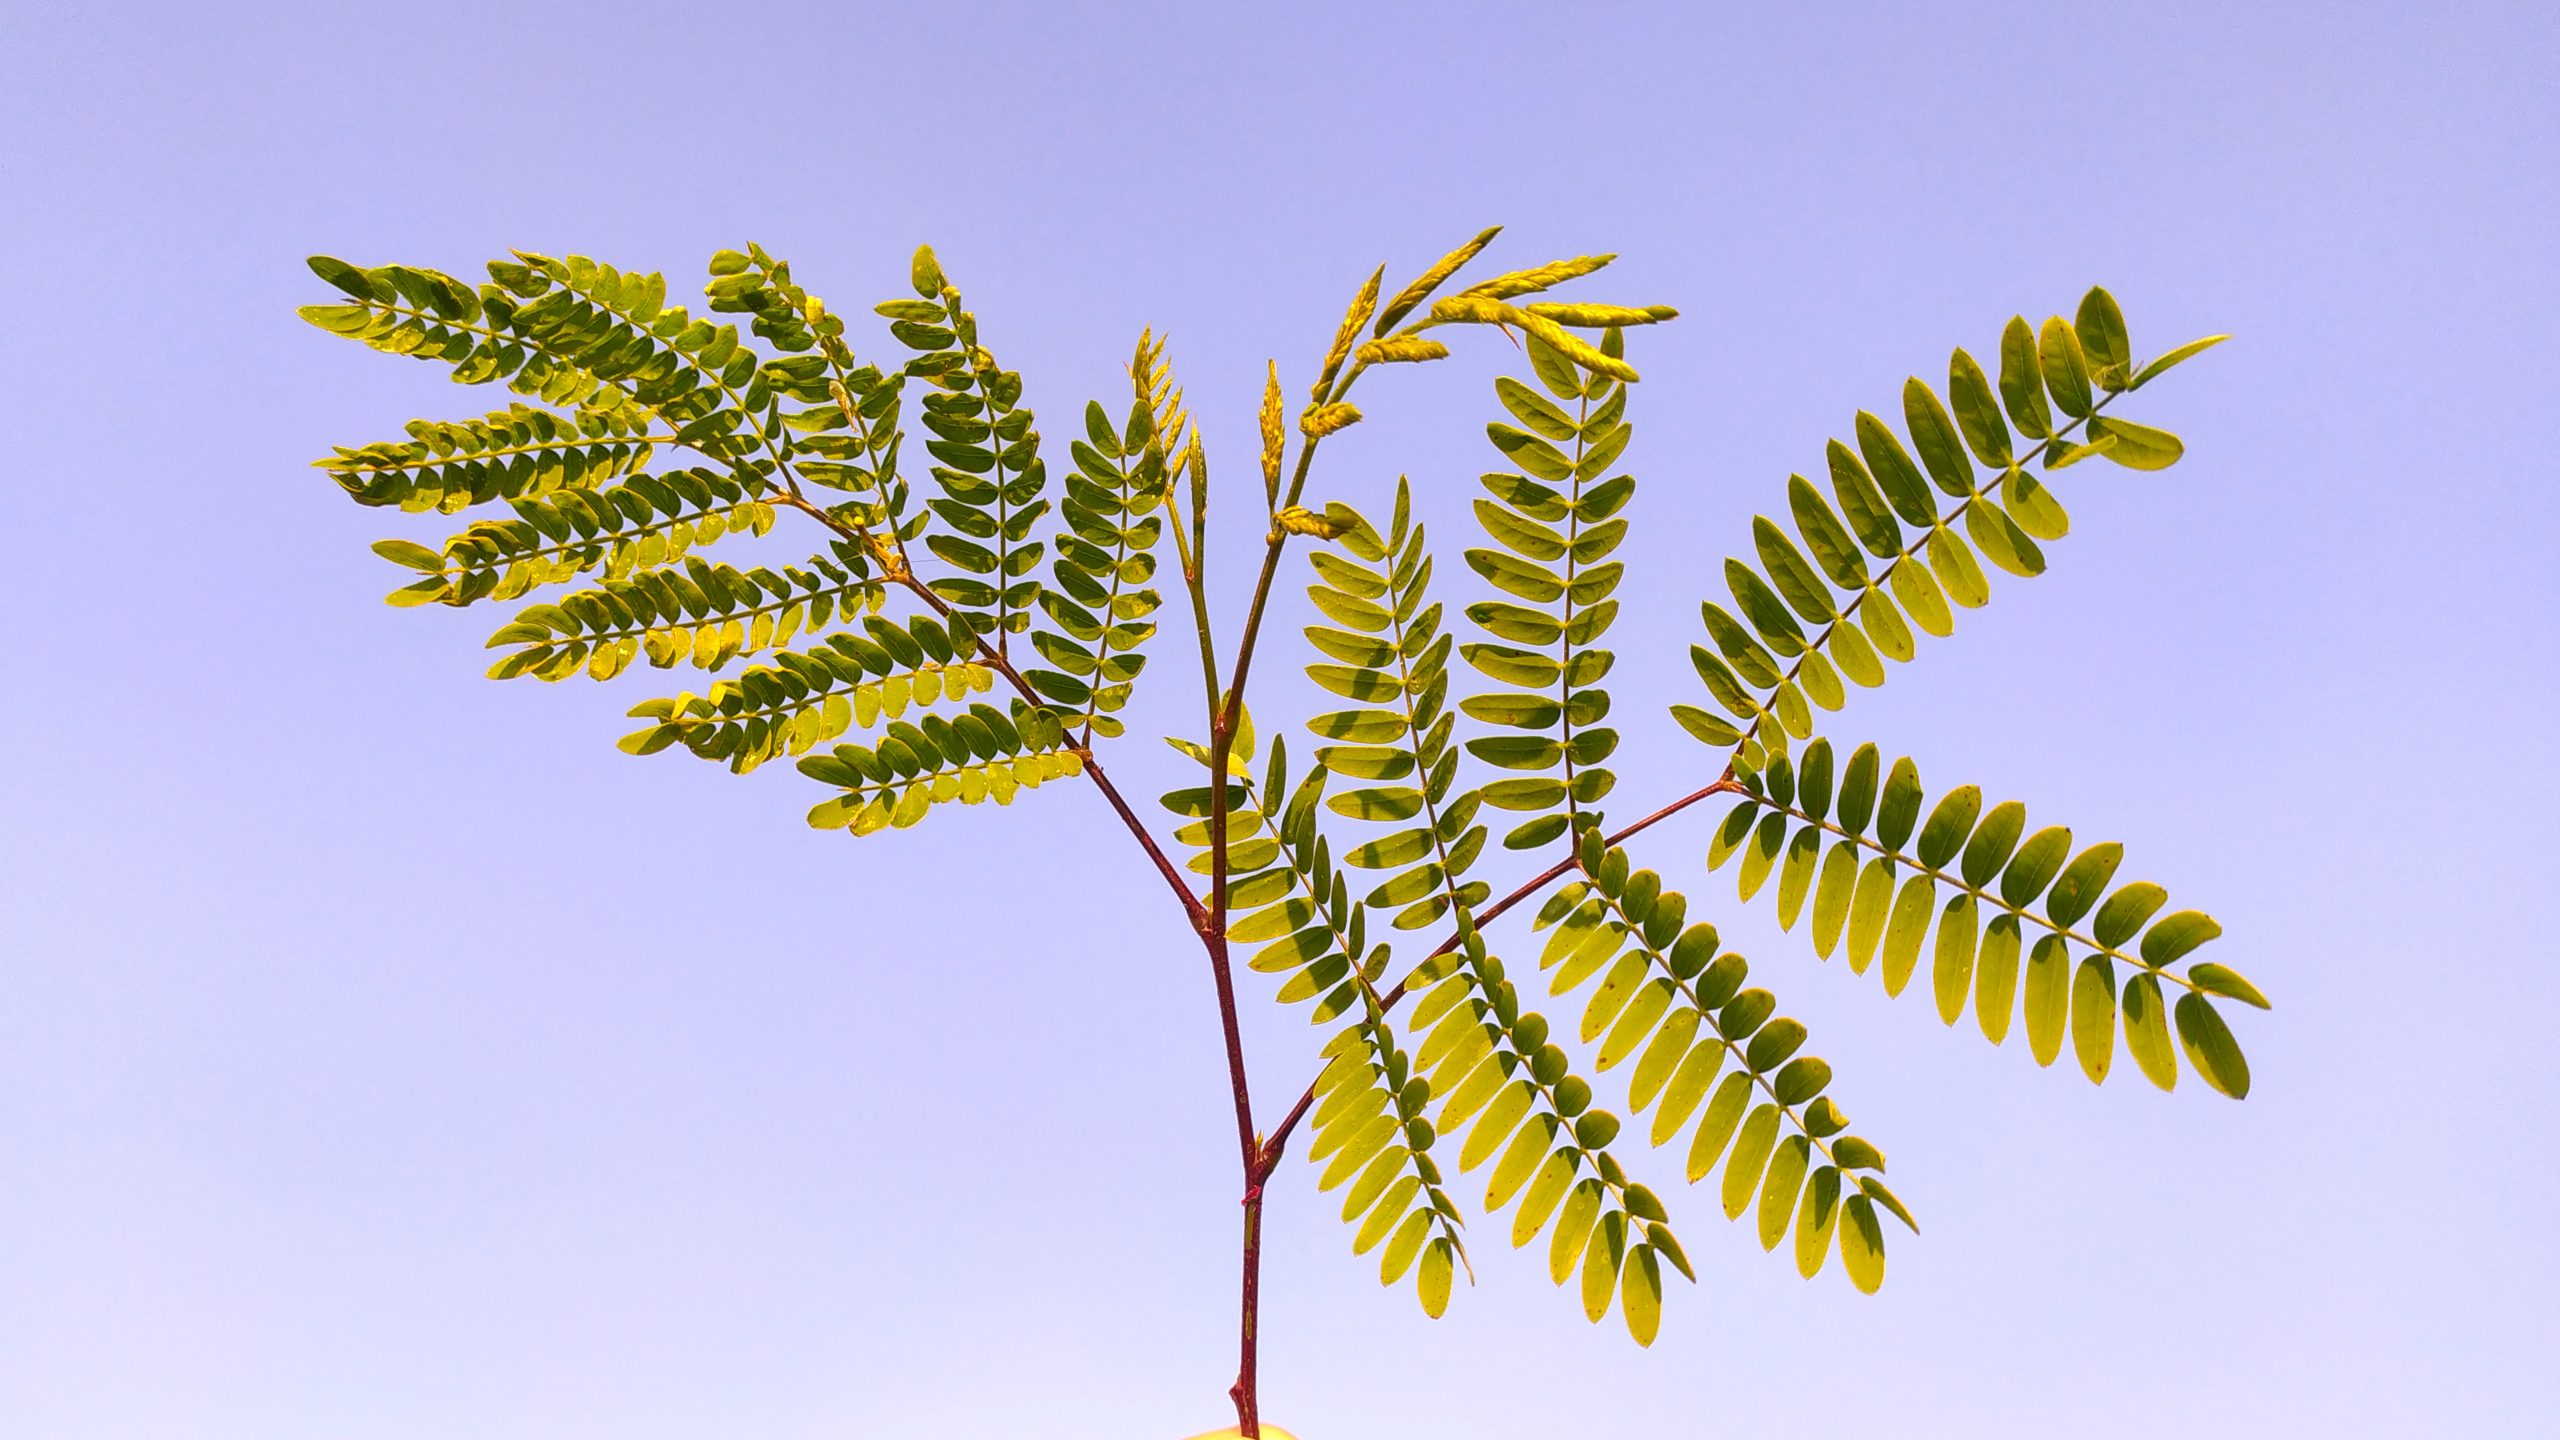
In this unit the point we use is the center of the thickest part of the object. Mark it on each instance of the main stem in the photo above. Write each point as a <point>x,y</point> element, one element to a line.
<point>1246,1391</point>
<point>1225,713</point>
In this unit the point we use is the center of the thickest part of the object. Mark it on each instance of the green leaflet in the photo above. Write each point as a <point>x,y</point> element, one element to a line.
<point>1793,575</point>
<point>2048,997</point>
<point>1862,1244</point>
<point>1873,493</point>
<point>1959,929</point>
<point>1901,806</point>
<point>2032,507</point>
<point>2034,866</point>
<point>1780,1185</point>
<point>1977,412</point>
<point>1825,536</point>
<point>1811,777</point>
<point>1641,1295</point>
<point>1905,928</point>
<point>1949,825</point>
<point>2082,881</point>
<point>1832,895</point>
<point>2066,368</point>
<point>1958,574</point>
<point>2146,1031</point>
<point>2125,912</point>
<point>1602,1256</point>
<point>1796,879</point>
<point>1996,977</point>
<point>1918,590</point>
<point>2180,355</point>
<point>1999,538</point>
<point>1935,436</point>
<point>2137,447</point>
<point>1749,1159</point>
<point>1993,841</point>
<point>2093,1016</point>
<point>1856,659</point>
<point>1869,906</point>
<point>1760,605</point>
<point>2170,938</point>
<point>2221,980</point>
<point>2022,380</point>
<point>2210,1047</point>
<point>2099,327</point>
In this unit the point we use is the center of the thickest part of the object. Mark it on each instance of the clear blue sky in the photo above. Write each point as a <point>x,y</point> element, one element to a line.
<point>383,1054</point>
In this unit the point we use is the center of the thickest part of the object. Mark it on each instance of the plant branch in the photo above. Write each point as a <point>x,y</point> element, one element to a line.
<point>1278,541</point>
<point>1688,991</point>
<point>1813,644</point>
<point>1194,584</point>
<point>1983,895</point>
<point>1724,785</point>
<point>598,542</point>
<point>461,457</point>
<point>1192,909</point>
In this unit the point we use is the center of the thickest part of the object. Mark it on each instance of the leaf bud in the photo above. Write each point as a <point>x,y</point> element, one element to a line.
<point>1318,421</point>
<point>1299,520</point>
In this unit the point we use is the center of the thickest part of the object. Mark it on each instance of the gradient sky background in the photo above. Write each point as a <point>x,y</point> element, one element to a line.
<point>382,1054</point>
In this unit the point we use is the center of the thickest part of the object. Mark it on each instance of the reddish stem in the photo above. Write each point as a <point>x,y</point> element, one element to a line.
<point>1191,906</point>
<point>1246,1391</point>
